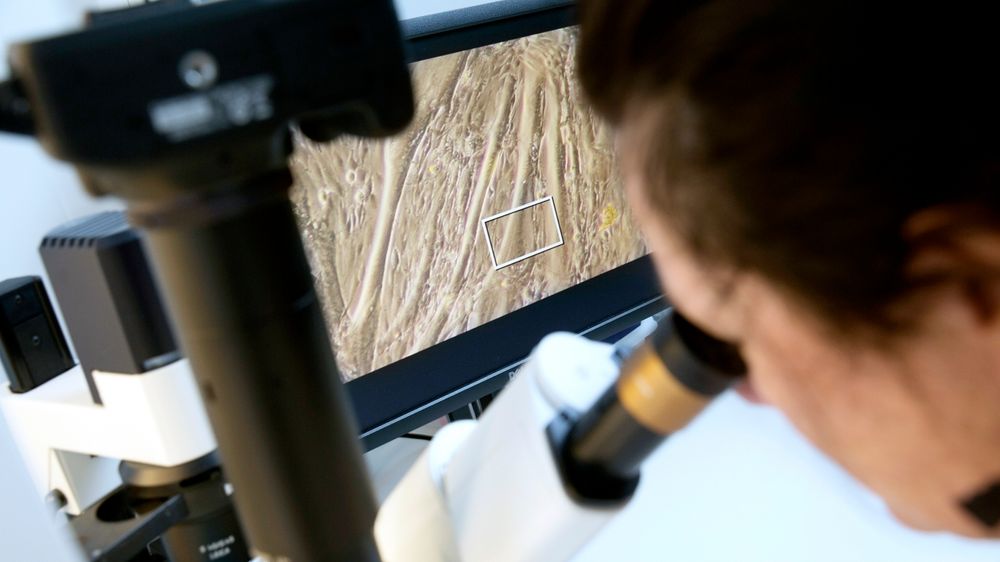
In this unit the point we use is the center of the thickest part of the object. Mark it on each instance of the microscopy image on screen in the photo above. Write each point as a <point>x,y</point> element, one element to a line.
<point>501,192</point>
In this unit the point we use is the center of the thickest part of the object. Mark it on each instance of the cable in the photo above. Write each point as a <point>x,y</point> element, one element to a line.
<point>417,436</point>
<point>15,111</point>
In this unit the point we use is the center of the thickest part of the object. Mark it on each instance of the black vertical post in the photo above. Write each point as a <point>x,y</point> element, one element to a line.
<point>235,276</point>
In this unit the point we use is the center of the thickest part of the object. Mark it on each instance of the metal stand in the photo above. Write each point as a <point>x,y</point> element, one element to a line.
<point>238,285</point>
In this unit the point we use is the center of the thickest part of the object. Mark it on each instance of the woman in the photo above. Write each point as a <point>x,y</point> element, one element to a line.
<point>818,184</point>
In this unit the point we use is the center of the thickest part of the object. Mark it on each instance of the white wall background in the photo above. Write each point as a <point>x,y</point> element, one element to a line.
<point>36,194</point>
<point>740,469</point>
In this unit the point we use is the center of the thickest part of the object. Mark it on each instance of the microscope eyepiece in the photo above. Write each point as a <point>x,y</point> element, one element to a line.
<point>722,360</point>
<point>662,386</point>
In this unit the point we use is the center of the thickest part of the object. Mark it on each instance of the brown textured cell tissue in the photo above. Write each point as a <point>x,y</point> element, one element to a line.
<point>394,228</point>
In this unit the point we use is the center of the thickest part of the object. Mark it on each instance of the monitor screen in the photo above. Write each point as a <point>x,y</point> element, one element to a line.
<point>443,254</point>
<point>502,191</point>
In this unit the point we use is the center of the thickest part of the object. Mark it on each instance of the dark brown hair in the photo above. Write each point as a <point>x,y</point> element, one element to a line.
<point>796,139</point>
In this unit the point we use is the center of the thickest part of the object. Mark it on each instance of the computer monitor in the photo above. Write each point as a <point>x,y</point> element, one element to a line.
<point>443,255</point>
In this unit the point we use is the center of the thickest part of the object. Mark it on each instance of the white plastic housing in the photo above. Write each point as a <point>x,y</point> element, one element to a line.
<point>502,493</point>
<point>153,418</point>
<point>415,518</point>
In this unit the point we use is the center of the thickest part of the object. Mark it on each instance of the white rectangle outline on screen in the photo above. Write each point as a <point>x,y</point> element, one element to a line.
<point>489,242</point>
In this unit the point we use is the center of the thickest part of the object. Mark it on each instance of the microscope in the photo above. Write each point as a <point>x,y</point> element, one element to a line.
<point>558,454</point>
<point>185,111</point>
<point>120,443</point>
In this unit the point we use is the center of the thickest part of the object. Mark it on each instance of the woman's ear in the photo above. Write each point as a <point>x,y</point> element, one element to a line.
<point>957,247</point>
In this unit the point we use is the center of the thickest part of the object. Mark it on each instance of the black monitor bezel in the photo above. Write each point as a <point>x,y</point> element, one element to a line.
<point>427,385</point>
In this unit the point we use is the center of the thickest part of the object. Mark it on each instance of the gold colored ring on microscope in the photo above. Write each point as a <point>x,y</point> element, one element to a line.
<point>653,396</point>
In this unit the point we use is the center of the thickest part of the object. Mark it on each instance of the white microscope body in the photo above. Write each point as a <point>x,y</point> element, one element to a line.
<point>73,445</point>
<point>490,489</point>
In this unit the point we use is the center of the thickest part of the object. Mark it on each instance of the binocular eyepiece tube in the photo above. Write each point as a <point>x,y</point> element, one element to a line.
<point>663,385</point>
